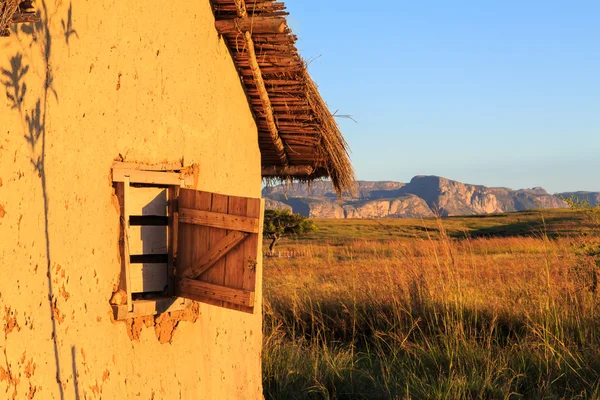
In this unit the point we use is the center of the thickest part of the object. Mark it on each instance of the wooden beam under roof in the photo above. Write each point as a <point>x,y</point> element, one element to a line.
<point>257,24</point>
<point>266,102</point>
<point>295,170</point>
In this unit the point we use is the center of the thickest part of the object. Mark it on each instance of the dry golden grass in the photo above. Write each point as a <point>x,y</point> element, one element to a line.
<point>432,318</point>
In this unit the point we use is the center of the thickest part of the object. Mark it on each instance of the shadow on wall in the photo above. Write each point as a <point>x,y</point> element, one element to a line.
<point>75,374</point>
<point>33,123</point>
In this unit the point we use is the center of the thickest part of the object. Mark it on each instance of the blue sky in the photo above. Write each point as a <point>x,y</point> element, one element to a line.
<point>500,93</point>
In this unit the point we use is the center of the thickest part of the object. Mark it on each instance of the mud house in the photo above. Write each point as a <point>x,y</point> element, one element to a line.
<point>134,141</point>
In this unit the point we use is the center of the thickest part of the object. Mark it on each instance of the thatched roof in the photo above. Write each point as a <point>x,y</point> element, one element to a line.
<point>298,136</point>
<point>14,12</point>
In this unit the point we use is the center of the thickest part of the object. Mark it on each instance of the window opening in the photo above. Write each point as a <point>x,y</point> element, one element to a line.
<point>179,244</point>
<point>147,197</point>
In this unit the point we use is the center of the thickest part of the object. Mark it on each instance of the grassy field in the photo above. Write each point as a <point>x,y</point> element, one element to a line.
<point>476,307</point>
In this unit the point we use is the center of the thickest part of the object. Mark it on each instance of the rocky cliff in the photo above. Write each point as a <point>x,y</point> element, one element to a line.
<point>276,205</point>
<point>423,196</point>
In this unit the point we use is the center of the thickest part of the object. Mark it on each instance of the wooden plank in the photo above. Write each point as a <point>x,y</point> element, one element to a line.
<point>147,205</point>
<point>201,234</point>
<point>218,251</point>
<point>185,234</point>
<point>149,258</point>
<point>22,17</point>
<point>250,255</point>
<point>151,177</point>
<point>203,291</point>
<point>165,166</point>
<point>148,277</point>
<point>126,200</point>
<point>147,201</point>
<point>142,308</point>
<point>254,24</point>
<point>216,275</point>
<point>252,251</point>
<point>295,170</point>
<point>147,239</point>
<point>234,270</point>
<point>218,220</point>
<point>264,97</point>
<point>266,102</point>
<point>228,195</point>
<point>148,220</point>
<point>123,251</point>
<point>172,232</point>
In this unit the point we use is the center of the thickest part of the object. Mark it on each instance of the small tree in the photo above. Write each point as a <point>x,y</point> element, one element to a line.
<point>280,223</point>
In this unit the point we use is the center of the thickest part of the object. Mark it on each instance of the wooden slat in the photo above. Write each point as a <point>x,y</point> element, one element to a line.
<point>172,232</point>
<point>147,239</point>
<point>142,308</point>
<point>266,102</point>
<point>148,277</point>
<point>296,170</point>
<point>256,208</point>
<point>150,177</point>
<point>147,201</point>
<point>123,249</point>
<point>201,234</point>
<point>149,258</point>
<point>218,220</point>
<point>218,251</point>
<point>148,220</point>
<point>234,273</point>
<point>186,233</point>
<point>202,291</point>
<point>255,25</point>
<point>166,166</point>
<point>22,17</point>
<point>216,275</point>
<point>250,254</point>
<point>126,201</point>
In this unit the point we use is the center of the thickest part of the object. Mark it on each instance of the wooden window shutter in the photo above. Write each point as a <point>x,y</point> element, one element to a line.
<point>217,252</point>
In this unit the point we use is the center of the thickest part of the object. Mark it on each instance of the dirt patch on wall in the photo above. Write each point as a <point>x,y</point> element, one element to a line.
<point>10,320</point>
<point>12,372</point>
<point>164,324</point>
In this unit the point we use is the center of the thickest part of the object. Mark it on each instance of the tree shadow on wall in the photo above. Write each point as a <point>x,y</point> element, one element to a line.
<point>16,88</point>
<point>33,124</point>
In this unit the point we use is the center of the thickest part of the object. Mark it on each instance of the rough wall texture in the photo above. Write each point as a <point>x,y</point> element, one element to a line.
<point>92,81</point>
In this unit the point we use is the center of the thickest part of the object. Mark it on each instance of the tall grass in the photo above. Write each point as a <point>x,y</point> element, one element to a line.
<point>432,318</point>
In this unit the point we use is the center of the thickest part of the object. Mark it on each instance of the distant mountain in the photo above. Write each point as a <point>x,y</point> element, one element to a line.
<point>423,196</point>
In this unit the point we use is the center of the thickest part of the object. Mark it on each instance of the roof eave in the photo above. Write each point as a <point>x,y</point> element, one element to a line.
<point>299,137</point>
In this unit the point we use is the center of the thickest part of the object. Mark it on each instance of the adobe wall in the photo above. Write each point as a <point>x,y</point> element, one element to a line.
<point>149,81</point>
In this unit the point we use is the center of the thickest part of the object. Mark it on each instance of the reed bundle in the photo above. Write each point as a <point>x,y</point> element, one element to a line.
<point>15,12</point>
<point>298,136</point>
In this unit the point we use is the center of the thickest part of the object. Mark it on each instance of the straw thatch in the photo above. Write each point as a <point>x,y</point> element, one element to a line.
<point>298,136</point>
<point>15,12</point>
